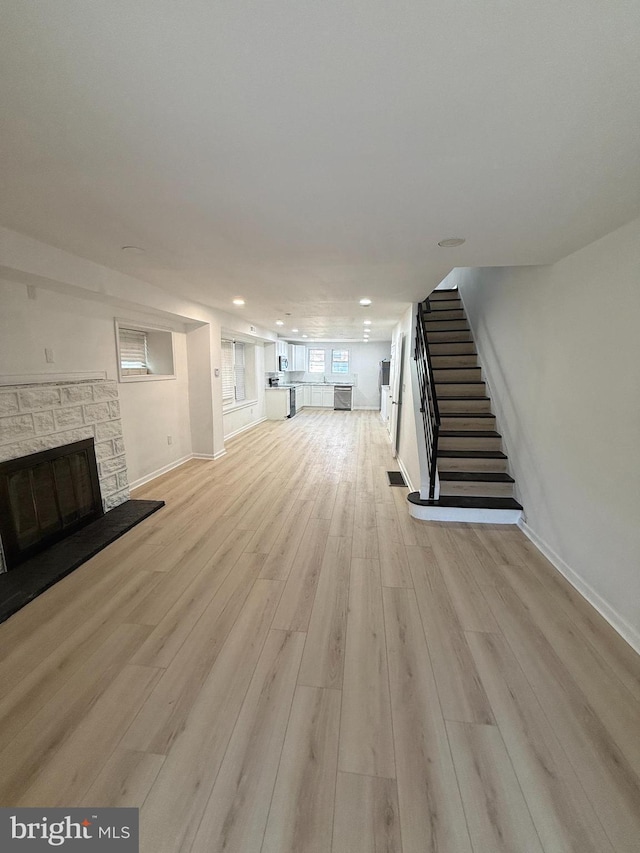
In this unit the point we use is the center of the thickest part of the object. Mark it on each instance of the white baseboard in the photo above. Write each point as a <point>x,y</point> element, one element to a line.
<point>244,428</point>
<point>617,622</point>
<point>405,474</point>
<point>160,471</point>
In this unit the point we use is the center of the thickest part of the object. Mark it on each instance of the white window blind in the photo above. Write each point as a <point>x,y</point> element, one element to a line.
<point>340,361</point>
<point>238,362</point>
<point>316,361</point>
<point>228,382</point>
<point>133,352</point>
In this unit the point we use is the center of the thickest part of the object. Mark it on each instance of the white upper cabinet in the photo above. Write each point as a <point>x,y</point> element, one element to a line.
<point>299,358</point>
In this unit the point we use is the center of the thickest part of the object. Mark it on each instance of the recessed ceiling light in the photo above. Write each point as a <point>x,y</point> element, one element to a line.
<point>305,336</point>
<point>366,323</point>
<point>295,330</point>
<point>365,340</point>
<point>365,302</point>
<point>238,301</point>
<point>451,242</point>
<point>132,250</point>
<point>279,322</point>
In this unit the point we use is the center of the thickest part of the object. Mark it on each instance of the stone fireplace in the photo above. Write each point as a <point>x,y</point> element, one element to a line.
<point>38,415</point>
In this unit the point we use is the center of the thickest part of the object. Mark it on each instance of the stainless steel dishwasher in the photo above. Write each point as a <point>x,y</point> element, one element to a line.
<point>342,398</point>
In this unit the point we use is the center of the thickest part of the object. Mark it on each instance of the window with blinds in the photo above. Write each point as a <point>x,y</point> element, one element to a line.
<point>134,352</point>
<point>233,372</point>
<point>143,352</point>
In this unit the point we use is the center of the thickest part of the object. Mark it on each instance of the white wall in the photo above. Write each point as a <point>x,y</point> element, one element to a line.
<point>364,367</point>
<point>82,336</point>
<point>407,441</point>
<point>251,411</point>
<point>561,349</point>
<point>73,314</point>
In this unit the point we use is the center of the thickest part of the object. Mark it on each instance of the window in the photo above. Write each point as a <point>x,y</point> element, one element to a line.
<point>143,352</point>
<point>233,372</point>
<point>316,361</point>
<point>134,355</point>
<point>340,361</point>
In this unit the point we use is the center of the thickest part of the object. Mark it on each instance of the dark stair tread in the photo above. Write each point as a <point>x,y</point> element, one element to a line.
<point>450,354</point>
<point>430,319</point>
<point>468,433</point>
<point>441,341</point>
<point>475,476</point>
<point>471,454</point>
<point>460,382</point>
<point>464,367</point>
<point>448,303</point>
<point>467,502</point>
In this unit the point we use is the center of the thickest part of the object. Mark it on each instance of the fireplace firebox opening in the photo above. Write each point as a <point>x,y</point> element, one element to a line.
<point>45,497</point>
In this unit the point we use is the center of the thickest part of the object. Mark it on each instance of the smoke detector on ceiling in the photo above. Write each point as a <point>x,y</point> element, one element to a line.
<point>451,242</point>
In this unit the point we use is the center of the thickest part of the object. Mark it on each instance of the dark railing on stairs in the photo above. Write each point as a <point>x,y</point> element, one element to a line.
<point>428,398</point>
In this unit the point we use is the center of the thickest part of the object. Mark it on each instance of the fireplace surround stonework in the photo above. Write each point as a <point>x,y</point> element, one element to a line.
<point>35,417</point>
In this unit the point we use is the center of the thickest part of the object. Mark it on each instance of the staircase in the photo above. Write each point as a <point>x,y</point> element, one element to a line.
<point>474,483</point>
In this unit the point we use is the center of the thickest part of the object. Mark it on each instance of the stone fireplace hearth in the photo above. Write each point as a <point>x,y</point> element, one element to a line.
<point>40,415</point>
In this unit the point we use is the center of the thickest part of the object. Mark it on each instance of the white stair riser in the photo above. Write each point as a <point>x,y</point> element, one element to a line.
<point>456,442</point>
<point>446,314</point>
<point>447,336</point>
<point>457,361</point>
<point>467,405</point>
<point>465,514</point>
<point>472,464</point>
<point>445,325</point>
<point>444,294</point>
<point>460,389</point>
<point>457,374</point>
<point>466,423</point>
<point>454,348</point>
<point>485,490</point>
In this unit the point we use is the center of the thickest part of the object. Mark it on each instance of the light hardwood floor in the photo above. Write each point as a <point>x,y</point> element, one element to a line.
<point>283,660</point>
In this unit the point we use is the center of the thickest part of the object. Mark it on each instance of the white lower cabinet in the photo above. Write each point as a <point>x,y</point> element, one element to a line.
<point>321,396</point>
<point>277,404</point>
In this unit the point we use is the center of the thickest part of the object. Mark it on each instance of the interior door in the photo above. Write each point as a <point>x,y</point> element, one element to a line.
<point>397,359</point>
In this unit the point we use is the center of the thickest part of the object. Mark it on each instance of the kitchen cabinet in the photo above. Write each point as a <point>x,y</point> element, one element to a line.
<point>322,396</point>
<point>276,403</point>
<point>307,394</point>
<point>272,353</point>
<point>327,397</point>
<point>270,358</point>
<point>297,356</point>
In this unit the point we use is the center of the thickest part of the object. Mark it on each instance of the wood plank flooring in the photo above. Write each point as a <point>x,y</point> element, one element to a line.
<point>283,661</point>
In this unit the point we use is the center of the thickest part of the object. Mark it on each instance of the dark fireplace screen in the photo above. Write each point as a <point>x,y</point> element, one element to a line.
<point>45,497</point>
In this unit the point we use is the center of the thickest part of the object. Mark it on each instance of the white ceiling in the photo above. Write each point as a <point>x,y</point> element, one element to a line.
<point>305,153</point>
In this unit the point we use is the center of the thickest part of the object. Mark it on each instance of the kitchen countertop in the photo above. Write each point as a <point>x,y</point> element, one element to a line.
<point>311,384</point>
<point>285,385</point>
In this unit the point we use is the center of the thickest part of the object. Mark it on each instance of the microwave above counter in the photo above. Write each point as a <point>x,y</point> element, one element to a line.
<point>283,363</point>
